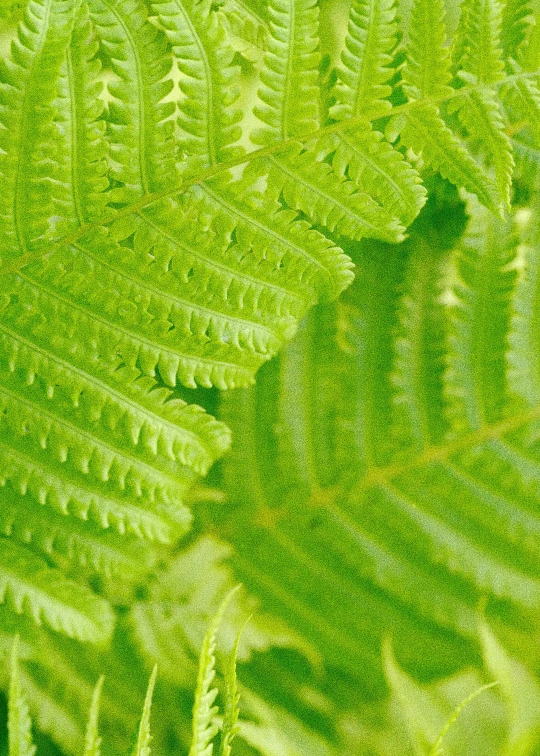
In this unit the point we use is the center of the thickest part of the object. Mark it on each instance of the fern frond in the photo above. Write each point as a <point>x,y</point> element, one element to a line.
<point>427,68</point>
<point>289,97</point>
<point>29,586</point>
<point>480,320</point>
<point>89,430</point>
<point>517,18</point>
<point>329,198</point>
<point>232,697</point>
<point>479,66</point>
<point>67,539</point>
<point>148,252</point>
<point>92,740</point>
<point>419,348</point>
<point>479,37</point>
<point>60,683</point>
<point>283,248</point>
<point>36,424</point>
<point>142,744</point>
<point>424,131</point>
<point>119,401</point>
<point>138,120</point>
<point>68,495</point>
<point>362,88</point>
<point>204,712</point>
<point>19,724</point>
<point>444,509</point>
<point>480,114</point>
<point>78,194</point>
<point>521,102</point>
<point>376,168</point>
<point>209,82</point>
<point>529,52</point>
<point>27,140</point>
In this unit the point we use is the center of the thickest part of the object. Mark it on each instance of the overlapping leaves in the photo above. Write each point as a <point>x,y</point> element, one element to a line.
<point>394,482</point>
<point>152,237</point>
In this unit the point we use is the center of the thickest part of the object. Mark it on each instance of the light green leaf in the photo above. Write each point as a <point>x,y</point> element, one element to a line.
<point>142,745</point>
<point>204,712</point>
<point>521,692</point>
<point>30,586</point>
<point>437,749</point>
<point>92,740</point>
<point>288,97</point>
<point>231,712</point>
<point>19,723</point>
<point>427,68</point>
<point>362,88</point>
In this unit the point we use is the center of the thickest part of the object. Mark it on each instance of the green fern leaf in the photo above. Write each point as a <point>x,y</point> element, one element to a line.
<point>28,585</point>
<point>330,199</point>
<point>529,51</point>
<point>232,697</point>
<point>209,82</point>
<point>92,740</point>
<point>19,724</point>
<point>28,90</point>
<point>394,466</point>
<point>480,114</point>
<point>362,86</point>
<point>521,101</point>
<point>142,745</point>
<point>517,19</point>
<point>64,538</point>
<point>479,38</point>
<point>375,167</point>
<point>484,265</point>
<point>289,98</point>
<point>479,62</point>
<point>140,130</point>
<point>424,131</point>
<point>427,68</point>
<point>148,250</point>
<point>79,132</point>
<point>204,729</point>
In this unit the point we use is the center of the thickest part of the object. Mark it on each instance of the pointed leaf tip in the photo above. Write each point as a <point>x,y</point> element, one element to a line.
<point>19,722</point>
<point>92,740</point>
<point>142,746</point>
<point>204,729</point>
<point>232,697</point>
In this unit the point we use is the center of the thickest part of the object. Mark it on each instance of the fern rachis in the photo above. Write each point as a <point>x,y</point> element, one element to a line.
<point>165,224</point>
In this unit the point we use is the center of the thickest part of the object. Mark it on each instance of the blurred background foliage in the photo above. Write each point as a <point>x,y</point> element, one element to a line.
<point>312,683</point>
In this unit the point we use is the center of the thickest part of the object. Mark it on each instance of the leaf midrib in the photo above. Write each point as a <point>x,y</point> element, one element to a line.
<point>441,452</point>
<point>151,198</point>
<point>140,409</point>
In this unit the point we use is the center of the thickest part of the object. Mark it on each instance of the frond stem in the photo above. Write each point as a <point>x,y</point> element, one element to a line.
<point>209,173</point>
